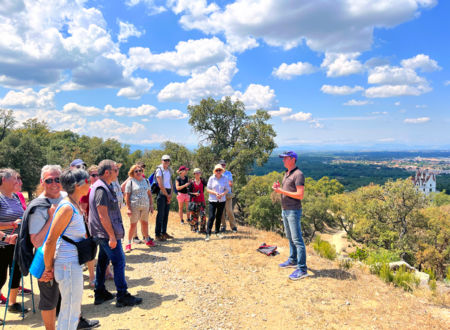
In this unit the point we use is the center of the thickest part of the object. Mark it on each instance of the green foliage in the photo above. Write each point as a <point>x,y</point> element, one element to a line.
<point>447,275</point>
<point>265,214</point>
<point>359,254</point>
<point>440,198</point>
<point>345,263</point>
<point>382,256</point>
<point>385,273</point>
<point>7,122</point>
<point>324,248</point>
<point>431,273</point>
<point>432,284</point>
<point>405,279</point>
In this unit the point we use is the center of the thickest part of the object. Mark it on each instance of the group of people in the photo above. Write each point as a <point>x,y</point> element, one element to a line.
<point>80,202</point>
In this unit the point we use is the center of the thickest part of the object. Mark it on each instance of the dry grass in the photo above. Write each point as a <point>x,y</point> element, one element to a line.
<point>189,283</point>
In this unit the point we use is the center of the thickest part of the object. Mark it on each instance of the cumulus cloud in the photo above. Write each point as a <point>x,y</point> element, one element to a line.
<point>346,26</point>
<point>140,87</point>
<point>127,30</point>
<point>111,128</point>
<point>288,71</point>
<point>420,120</point>
<point>341,64</point>
<point>447,82</point>
<point>171,114</point>
<point>356,102</point>
<point>214,82</point>
<point>394,76</point>
<point>189,56</point>
<point>143,110</point>
<point>299,116</point>
<point>422,62</point>
<point>28,98</point>
<point>153,6</point>
<point>256,97</point>
<point>283,111</point>
<point>396,90</point>
<point>340,90</point>
<point>314,123</point>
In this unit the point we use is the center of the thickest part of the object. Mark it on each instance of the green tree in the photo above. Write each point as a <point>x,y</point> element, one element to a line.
<point>7,122</point>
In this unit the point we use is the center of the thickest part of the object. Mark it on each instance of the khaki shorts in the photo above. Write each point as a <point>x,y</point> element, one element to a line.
<point>139,213</point>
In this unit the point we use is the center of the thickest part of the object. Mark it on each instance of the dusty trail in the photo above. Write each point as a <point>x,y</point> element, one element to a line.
<point>188,283</point>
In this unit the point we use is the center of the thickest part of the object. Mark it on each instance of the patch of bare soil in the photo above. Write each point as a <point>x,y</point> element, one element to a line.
<point>188,283</point>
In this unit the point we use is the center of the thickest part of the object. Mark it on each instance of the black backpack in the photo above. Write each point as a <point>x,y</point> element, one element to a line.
<point>24,249</point>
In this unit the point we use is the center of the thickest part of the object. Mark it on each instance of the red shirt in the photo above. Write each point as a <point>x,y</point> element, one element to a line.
<point>85,199</point>
<point>198,188</point>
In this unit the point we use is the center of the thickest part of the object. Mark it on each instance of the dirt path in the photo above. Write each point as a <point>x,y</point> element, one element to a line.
<point>187,283</point>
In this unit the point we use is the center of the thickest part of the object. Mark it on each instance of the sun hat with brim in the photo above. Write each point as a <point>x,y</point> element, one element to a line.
<point>77,162</point>
<point>197,170</point>
<point>165,157</point>
<point>289,154</point>
<point>218,167</point>
<point>182,168</point>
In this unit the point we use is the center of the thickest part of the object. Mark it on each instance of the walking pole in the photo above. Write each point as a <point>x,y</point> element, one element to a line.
<point>32,293</point>
<point>23,304</point>
<point>11,274</point>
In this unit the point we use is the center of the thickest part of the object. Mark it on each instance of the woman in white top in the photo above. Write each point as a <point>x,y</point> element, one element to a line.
<point>217,188</point>
<point>60,256</point>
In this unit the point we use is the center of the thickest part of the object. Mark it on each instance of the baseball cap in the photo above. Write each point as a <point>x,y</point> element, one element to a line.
<point>165,157</point>
<point>289,154</point>
<point>197,170</point>
<point>222,161</point>
<point>77,162</point>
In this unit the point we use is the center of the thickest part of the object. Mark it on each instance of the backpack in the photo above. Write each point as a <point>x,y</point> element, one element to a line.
<point>24,249</point>
<point>154,183</point>
<point>268,250</point>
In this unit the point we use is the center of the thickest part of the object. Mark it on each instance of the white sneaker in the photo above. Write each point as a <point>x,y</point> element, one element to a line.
<point>219,235</point>
<point>137,240</point>
<point>207,238</point>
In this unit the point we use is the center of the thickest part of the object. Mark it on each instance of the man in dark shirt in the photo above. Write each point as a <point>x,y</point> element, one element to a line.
<point>291,190</point>
<point>105,225</point>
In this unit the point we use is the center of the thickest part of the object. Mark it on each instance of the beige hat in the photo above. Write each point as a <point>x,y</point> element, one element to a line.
<point>217,167</point>
<point>197,170</point>
<point>165,157</point>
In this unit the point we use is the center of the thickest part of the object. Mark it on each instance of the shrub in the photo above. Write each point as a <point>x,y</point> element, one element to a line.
<point>345,263</point>
<point>382,256</point>
<point>405,279</point>
<point>385,273</point>
<point>431,273</point>
<point>324,248</point>
<point>447,276</point>
<point>432,284</point>
<point>359,254</point>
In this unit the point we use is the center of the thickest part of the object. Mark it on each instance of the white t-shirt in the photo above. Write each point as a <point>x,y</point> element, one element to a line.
<point>166,176</point>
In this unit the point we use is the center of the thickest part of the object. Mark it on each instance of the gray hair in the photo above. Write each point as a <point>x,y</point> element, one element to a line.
<point>50,168</point>
<point>71,177</point>
<point>6,173</point>
<point>105,165</point>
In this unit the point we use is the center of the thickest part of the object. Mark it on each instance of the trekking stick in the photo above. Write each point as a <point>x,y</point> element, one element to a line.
<point>32,293</point>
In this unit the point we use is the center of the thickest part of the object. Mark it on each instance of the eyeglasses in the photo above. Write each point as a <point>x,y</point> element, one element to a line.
<point>167,160</point>
<point>219,170</point>
<point>94,175</point>
<point>82,166</point>
<point>50,180</point>
<point>138,171</point>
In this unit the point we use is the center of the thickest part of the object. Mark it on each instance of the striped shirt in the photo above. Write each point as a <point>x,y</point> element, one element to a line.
<point>65,251</point>
<point>10,210</point>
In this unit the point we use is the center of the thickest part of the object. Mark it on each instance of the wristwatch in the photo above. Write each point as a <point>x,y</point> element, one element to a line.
<point>4,237</point>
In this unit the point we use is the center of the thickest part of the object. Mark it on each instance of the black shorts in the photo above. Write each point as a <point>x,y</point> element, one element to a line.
<point>49,295</point>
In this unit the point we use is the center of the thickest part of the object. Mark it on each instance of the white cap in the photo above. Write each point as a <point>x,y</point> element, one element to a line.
<point>165,157</point>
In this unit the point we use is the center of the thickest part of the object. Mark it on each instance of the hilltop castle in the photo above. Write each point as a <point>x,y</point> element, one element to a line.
<point>424,181</point>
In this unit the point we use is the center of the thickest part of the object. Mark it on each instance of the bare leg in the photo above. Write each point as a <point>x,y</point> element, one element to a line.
<point>49,318</point>
<point>131,231</point>
<point>180,210</point>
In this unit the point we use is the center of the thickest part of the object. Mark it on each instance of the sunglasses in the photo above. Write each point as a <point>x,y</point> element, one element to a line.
<point>138,171</point>
<point>94,175</point>
<point>81,166</point>
<point>50,181</point>
<point>167,160</point>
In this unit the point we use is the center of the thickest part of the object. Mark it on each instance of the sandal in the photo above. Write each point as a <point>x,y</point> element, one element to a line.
<point>17,308</point>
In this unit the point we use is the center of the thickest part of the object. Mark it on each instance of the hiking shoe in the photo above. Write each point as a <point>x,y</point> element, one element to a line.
<point>2,299</point>
<point>17,308</point>
<point>288,264</point>
<point>234,230</point>
<point>101,297</point>
<point>298,275</point>
<point>182,221</point>
<point>150,243</point>
<point>128,300</point>
<point>87,324</point>
<point>160,238</point>
<point>223,229</point>
<point>137,240</point>
<point>219,235</point>
<point>25,291</point>
<point>207,238</point>
<point>128,248</point>
<point>167,236</point>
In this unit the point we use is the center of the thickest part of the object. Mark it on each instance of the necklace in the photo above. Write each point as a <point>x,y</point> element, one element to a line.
<point>76,204</point>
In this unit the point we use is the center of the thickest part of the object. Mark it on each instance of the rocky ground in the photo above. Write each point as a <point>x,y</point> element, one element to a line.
<point>187,283</point>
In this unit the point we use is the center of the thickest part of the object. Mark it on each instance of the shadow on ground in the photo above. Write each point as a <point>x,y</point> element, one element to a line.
<point>337,274</point>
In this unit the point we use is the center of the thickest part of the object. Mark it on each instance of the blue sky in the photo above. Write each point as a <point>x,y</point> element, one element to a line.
<point>331,73</point>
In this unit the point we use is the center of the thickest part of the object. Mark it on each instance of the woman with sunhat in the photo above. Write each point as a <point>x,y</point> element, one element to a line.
<point>217,188</point>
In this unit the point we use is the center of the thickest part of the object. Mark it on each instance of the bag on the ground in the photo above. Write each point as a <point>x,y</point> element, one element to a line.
<point>268,250</point>
<point>86,248</point>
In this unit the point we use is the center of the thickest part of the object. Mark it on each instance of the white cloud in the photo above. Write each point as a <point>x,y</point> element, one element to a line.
<point>140,87</point>
<point>256,97</point>
<point>447,83</point>
<point>299,116</point>
<point>189,56</point>
<point>421,106</point>
<point>171,114</point>
<point>345,26</point>
<point>110,128</point>
<point>357,102</point>
<point>128,30</point>
<point>338,65</point>
<point>154,7</point>
<point>28,98</point>
<point>420,120</point>
<point>143,110</point>
<point>288,71</point>
<point>386,140</point>
<point>283,111</point>
<point>422,62</point>
<point>379,113</point>
<point>396,90</point>
<point>214,82</point>
<point>340,90</point>
<point>314,123</point>
<point>388,75</point>
<point>75,108</point>
<point>397,103</point>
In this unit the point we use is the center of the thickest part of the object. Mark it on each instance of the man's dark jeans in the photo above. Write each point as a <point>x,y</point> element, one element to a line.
<point>163,214</point>
<point>117,258</point>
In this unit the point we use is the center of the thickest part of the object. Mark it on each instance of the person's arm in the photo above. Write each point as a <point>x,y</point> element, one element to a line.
<point>123,185</point>
<point>209,187</point>
<point>9,239</point>
<point>38,239</point>
<point>10,224</point>
<point>297,194</point>
<point>150,200</point>
<point>107,225</point>
<point>128,196</point>
<point>60,222</point>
